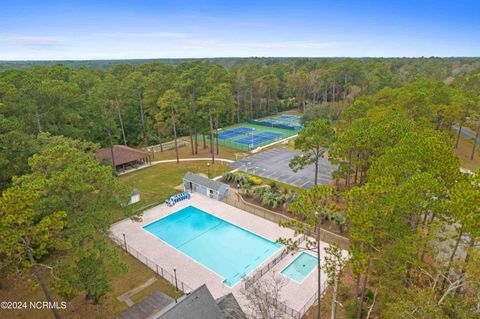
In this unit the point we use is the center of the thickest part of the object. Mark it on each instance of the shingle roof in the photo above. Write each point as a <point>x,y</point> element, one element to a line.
<point>197,179</point>
<point>197,305</point>
<point>230,307</point>
<point>122,154</point>
<point>149,305</point>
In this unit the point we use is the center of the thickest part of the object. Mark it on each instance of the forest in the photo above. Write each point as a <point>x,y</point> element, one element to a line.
<point>119,105</point>
<point>398,177</point>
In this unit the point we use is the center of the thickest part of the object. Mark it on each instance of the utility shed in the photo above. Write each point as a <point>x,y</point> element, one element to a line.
<point>205,186</point>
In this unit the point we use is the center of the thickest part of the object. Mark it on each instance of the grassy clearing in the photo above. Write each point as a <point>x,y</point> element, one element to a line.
<point>186,152</point>
<point>158,182</point>
<point>79,307</point>
<point>464,152</point>
<point>160,284</point>
<point>155,183</point>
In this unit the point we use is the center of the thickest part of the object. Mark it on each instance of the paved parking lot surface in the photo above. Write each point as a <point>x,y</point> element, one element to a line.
<point>273,164</point>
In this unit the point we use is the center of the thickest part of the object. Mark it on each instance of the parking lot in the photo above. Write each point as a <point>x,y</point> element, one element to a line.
<point>273,164</point>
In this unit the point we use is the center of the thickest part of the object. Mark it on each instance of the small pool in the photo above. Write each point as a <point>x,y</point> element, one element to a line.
<point>228,250</point>
<point>300,267</point>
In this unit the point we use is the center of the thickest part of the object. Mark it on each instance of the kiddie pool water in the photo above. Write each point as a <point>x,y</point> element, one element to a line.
<point>300,267</point>
<point>228,250</point>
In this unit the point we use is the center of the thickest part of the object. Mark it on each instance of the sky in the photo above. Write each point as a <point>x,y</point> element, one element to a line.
<point>120,29</point>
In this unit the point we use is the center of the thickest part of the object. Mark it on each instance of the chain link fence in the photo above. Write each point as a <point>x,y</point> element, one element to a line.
<point>248,282</point>
<point>166,146</point>
<point>236,200</point>
<point>159,270</point>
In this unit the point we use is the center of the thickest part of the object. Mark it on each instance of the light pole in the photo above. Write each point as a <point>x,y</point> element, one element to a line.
<point>208,165</point>
<point>238,192</point>
<point>175,274</point>
<point>125,242</point>
<point>318,264</point>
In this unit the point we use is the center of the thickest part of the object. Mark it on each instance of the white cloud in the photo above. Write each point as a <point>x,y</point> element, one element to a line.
<point>289,45</point>
<point>159,34</point>
<point>28,39</point>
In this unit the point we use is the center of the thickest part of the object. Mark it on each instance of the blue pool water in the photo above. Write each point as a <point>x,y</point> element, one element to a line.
<point>300,267</point>
<point>230,251</point>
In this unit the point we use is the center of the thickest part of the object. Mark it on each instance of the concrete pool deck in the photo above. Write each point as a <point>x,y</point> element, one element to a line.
<point>194,274</point>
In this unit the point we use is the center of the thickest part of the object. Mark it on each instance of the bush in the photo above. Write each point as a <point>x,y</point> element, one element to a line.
<point>369,295</point>
<point>343,292</point>
<point>255,180</point>
<point>272,199</point>
<point>258,192</point>
<point>228,177</point>
<point>237,178</point>
<point>273,185</point>
<point>349,310</point>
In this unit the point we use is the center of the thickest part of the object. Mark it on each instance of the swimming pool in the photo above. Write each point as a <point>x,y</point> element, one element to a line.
<point>300,267</point>
<point>228,250</point>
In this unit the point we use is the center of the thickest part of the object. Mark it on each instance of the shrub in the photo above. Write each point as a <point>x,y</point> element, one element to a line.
<point>255,180</point>
<point>273,185</point>
<point>228,177</point>
<point>242,179</point>
<point>369,295</point>
<point>349,310</point>
<point>272,199</point>
<point>237,178</point>
<point>258,192</point>
<point>290,196</point>
<point>343,292</point>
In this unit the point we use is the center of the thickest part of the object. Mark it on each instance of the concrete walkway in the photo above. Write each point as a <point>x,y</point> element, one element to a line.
<point>466,132</point>
<point>126,296</point>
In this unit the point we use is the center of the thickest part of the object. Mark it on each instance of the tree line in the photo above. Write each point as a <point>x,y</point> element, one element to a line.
<point>390,120</point>
<point>120,104</point>
<point>413,216</point>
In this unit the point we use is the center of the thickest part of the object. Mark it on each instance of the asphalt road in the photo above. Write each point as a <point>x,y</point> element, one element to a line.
<point>273,164</point>
<point>468,133</point>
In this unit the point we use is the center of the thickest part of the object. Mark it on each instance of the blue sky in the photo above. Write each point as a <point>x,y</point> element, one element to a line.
<point>50,30</point>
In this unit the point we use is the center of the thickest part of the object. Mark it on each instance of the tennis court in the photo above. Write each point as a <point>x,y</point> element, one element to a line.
<point>247,137</point>
<point>258,138</point>
<point>232,133</point>
<point>290,122</point>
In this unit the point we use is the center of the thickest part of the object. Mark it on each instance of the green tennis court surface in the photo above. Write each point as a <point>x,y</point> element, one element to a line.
<point>247,137</point>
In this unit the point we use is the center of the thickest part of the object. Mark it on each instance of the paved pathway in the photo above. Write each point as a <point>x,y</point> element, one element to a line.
<point>467,132</point>
<point>126,296</point>
<point>193,159</point>
<point>174,161</point>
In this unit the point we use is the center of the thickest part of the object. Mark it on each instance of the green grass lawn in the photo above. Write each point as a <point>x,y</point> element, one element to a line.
<point>155,183</point>
<point>185,152</point>
<point>158,182</point>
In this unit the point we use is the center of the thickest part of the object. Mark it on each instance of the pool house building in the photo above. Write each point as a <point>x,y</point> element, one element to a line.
<point>208,187</point>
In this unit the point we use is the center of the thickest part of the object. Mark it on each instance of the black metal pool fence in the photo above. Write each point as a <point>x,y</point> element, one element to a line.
<point>159,270</point>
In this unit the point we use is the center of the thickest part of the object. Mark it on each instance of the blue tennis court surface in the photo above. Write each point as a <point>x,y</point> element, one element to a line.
<point>227,134</point>
<point>289,117</point>
<point>228,250</point>
<point>258,138</point>
<point>285,121</point>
